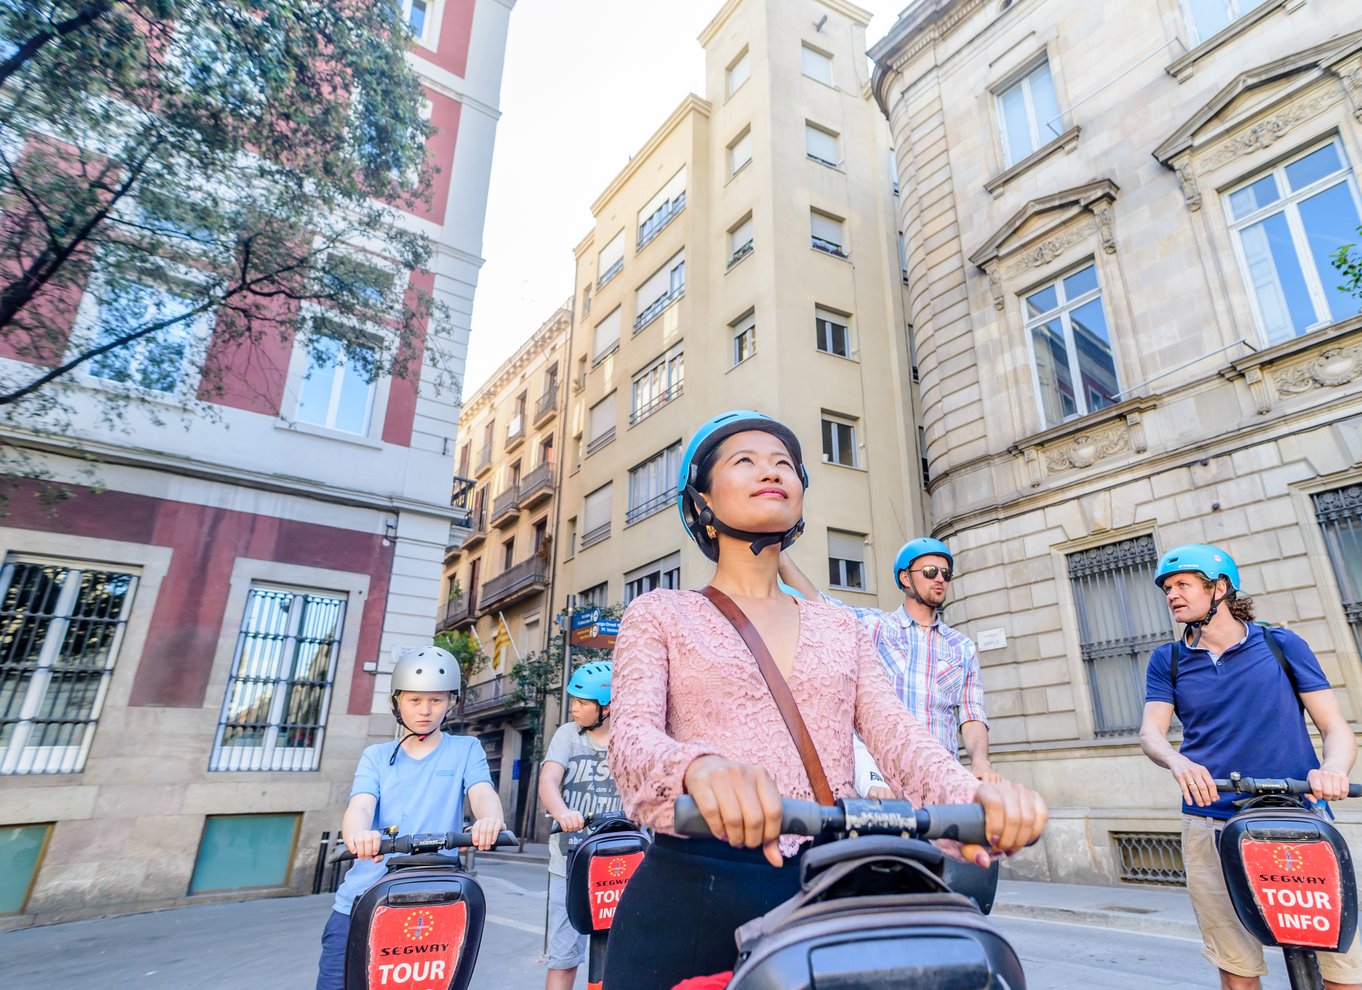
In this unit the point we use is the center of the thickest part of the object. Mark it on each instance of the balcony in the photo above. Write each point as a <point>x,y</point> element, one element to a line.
<point>529,577</point>
<point>649,507</point>
<point>740,253</point>
<point>515,432</point>
<point>610,273</point>
<point>484,459</point>
<point>662,216</point>
<point>477,528</point>
<point>546,406</point>
<point>504,508</point>
<point>489,697</point>
<point>593,536</point>
<point>655,308</point>
<point>828,247</point>
<point>656,403</point>
<point>461,501</point>
<point>596,443</point>
<point>536,486</point>
<point>457,612</point>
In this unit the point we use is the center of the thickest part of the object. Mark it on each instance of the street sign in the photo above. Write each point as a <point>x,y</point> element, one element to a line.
<point>587,618</point>
<point>598,636</point>
<point>608,627</point>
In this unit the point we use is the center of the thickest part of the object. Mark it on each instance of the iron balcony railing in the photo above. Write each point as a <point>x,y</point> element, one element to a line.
<point>486,695</point>
<point>515,583</point>
<point>610,273</point>
<point>597,443</point>
<point>538,479</point>
<point>461,500</point>
<point>828,247</point>
<point>457,611</point>
<point>484,458</point>
<point>652,506</point>
<point>515,431</point>
<point>655,308</point>
<point>662,216</point>
<point>656,402</point>
<point>594,536</point>
<point>741,253</point>
<point>547,404</point>
<point>504,503</point>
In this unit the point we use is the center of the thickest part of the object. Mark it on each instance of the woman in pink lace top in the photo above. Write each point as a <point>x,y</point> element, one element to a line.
<point>693,715</point>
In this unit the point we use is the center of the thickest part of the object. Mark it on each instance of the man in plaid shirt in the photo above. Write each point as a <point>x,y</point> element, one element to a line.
<point>933,668</point>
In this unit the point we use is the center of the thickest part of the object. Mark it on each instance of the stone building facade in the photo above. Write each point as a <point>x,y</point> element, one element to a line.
<point>1129,336</point>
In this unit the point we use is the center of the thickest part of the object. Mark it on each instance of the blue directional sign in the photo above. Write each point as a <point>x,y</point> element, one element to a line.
<point>608,627</point>
<point>588,618</point>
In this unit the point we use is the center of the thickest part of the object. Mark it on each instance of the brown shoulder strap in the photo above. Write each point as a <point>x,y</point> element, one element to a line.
<point>780,690</point>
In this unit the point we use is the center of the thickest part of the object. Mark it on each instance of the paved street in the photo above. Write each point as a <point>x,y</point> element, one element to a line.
<point>273,944</point>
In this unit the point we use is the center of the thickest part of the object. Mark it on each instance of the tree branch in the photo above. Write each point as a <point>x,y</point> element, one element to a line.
<point>84,17</point>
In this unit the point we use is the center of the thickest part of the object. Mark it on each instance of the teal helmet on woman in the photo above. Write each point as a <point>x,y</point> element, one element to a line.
<point>696,515</point>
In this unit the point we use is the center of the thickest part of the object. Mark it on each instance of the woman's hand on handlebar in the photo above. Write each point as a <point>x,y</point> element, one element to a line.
<point>739,802</point>
<point>1014,816</point>
<point>364,844</point>
<point>1328,785</point>
<point>1198,786</point>
<point>485,831</point>
<point>570,821</point>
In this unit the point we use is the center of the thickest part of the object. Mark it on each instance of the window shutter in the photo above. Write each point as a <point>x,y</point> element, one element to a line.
<point>820,144</point>
<point>596,509</point>
<point>826,228</point>
<point>610,254</point>
<point>607,333</point>
<point>846,546</point>
<point>603,416</point>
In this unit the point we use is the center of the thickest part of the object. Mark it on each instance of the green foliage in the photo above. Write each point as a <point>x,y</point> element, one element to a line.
<point>466,650</point>
<point>1349,265</point>
<point>186,162</point>
<point>538,679</point>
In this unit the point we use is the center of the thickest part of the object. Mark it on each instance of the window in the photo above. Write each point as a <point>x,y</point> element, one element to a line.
<point>664,287</point>
<point>827,234</point>
<point>738,72</point>
<point>1028,113</point>
<point>242,851</point>
<point>610,261</point>
<point>1207,17</point>
<point>1287,224</point>
<point>1340,516</point>
<point>465,458</point>
<point>21,854</point>
<point>571,546</point>
<point>652,484</point>
<point>601,423</point>
<point>596,596</point>
<point>64,625</point>
<point>1071,347</point>
<point>337,389</point>
<point>541,534</point>
<point>740,151</point>
<point>922,455</point>
<point>1119,624</point>
<point>846,560</point>
<point>279,692</point>
<point>658,384</point>
<point>157,361</point>
<point>607,336</point>
<point>740,241</point>
<point>839,440</point>
<point>817,65</point>
<point>662,208</point>
<point>831,333</point>
<point>515,429</point>
<point>821,145</point>
<point>744,330</point>
<point>664,573</point>
<point>347,277</point>
<point>417,13</point>
<point>508,554</point>
<point>596,511</point>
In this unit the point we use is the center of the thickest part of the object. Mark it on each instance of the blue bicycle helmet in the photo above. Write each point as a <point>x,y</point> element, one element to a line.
<point>921,547</point>
<point>696,514</point>
<point>591,682</point>
<point>1211,563</point>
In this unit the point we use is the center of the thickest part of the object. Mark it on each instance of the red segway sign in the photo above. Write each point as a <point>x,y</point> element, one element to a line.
<point>607,877</point>
<point>1298,890</point>
<point>416,948</point>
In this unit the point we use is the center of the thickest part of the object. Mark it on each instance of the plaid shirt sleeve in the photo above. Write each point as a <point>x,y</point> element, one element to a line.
<point>972,694</point>
<point>871,618</point>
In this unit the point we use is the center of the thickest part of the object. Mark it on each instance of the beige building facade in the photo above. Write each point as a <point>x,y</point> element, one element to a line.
<point>497,571</point>
<point>745,259</point>
<point>1129,336</point>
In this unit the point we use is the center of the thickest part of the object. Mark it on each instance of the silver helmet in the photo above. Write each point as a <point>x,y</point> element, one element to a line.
<point>428,669</point>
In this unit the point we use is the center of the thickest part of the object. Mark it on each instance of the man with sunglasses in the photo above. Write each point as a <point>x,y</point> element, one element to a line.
<point>933,668</point>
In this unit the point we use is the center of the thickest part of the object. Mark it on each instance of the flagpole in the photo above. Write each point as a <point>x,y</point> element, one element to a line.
<point>507,626</point>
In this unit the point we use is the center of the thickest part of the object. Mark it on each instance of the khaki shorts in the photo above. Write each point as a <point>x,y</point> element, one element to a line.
<point>1227,945</point>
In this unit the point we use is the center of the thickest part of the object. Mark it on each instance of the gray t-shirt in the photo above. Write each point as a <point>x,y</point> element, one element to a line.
<point>588,788</point>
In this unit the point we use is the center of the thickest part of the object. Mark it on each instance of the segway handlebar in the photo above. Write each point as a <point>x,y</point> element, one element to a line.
<point>591,819</point>
<point>961,822</point>
<point>1236,784</point>
<point>423,843</point>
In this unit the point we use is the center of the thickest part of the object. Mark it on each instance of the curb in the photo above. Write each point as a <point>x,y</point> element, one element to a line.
<point>1129,920</point>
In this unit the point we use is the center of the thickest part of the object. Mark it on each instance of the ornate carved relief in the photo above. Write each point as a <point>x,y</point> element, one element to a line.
<point>995,286</point>
<point>1048,250</point>
<point>1266,132</point>
<point>1258,389</point>
<point>1105,217</point>
<point>1332,367</point>
<point>1352,85</point>
<point>1191,192</point>
<point>1086,449</point>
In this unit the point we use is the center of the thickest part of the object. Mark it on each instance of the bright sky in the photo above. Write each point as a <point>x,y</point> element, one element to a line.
<point>586,83</point>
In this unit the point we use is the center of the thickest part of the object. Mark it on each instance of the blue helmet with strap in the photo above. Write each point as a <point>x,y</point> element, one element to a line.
<point>696,515</point>
<point>923,546</point>
<point>1210,562</point>
<point>591,682</point>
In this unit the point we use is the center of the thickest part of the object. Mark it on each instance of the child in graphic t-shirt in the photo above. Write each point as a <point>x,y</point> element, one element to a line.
<point>574,782</point>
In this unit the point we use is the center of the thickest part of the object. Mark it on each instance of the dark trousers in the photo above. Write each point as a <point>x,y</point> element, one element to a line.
<point>677,916</point>
<point>331,966</point>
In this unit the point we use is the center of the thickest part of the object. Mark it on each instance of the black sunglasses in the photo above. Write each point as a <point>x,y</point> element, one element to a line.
<point>931,571</point>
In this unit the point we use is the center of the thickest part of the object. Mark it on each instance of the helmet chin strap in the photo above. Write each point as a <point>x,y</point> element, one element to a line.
<point>911,592</point>
<point>757,541</point>
<point>1197,627</point>
<point>421,737</point>
<point>602,714</point>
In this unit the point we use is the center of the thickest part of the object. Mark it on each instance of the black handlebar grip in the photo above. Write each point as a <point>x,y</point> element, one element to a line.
<point>800,817</point>
<point>689,821</point>
<point>961,822</point>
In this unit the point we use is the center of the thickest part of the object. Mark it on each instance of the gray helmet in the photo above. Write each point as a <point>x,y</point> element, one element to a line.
<point>428,669</point>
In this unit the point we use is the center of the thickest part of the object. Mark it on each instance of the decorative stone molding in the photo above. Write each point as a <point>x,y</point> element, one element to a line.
<point>1352,87</point>
<point>1332,367</point>
<point>1086,449</point>
<point>1066,142</point>
<point>1265,133</point>
<point>1105,218</point>
<point>1048,250</point>
<point>1324,359</point>
<point>1191,192</point>
<point>1080,445</point>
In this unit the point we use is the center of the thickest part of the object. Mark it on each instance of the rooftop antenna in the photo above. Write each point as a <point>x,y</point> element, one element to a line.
<point>821,21</point>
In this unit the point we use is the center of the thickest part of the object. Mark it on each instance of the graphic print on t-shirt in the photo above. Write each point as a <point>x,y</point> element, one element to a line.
<point>588,789</point>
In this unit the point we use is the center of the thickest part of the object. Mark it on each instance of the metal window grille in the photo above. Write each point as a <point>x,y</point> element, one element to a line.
<point>1340,517</point>
<point>274,713</point>
<point>1120,621</point>
<point>60,631</point>
<point>1151,857</point>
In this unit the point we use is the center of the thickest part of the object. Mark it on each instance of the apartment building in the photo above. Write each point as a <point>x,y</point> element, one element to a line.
<point>1130,336</point>
<point>745,258</point>
<point>206,632</point>
<point>498,571</point>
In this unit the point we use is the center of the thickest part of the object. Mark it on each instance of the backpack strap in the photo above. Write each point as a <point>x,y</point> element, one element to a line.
<point>1276,648</point>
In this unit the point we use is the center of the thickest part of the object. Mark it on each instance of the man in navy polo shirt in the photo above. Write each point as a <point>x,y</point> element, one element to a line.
<point>1239,701</point>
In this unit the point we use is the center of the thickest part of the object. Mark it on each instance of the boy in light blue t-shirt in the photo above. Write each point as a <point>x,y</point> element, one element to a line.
<point>416,783</point>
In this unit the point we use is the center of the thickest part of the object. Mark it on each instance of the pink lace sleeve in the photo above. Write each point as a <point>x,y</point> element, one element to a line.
<point>649,766</point>
<point>914,762</point>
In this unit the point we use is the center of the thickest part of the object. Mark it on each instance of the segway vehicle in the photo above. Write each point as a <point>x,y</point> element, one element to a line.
<point>604,855</point>
<point>419,927</point>
<point>1289,873</point>
<point>873,910</point>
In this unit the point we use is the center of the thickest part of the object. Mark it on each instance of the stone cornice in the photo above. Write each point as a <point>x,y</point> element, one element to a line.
<point>917,29</point>
<point>691,104</point>
<point>553,331</point>
<point>1067,203</point>
<point>718,21</point>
